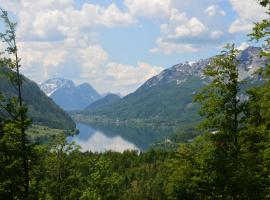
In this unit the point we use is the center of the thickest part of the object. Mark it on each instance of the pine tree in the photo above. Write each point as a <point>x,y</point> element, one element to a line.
<point>15,114</point>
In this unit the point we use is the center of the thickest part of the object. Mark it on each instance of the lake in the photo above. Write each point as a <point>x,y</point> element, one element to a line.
<point>101,138</point>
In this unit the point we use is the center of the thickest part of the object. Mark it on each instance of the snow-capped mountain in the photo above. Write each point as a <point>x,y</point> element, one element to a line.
<point>168,97</point>
<point>249,62</point>
<point>52,85</point>
<point>69,96</point>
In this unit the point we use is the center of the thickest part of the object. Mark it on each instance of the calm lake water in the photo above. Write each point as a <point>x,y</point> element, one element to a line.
<point>98,138</point>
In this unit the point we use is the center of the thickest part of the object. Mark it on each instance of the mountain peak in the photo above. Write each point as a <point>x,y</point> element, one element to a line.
<point>53,84</point>
<point>86,86</point>
<point>249,58</point>
<point>69,96</point>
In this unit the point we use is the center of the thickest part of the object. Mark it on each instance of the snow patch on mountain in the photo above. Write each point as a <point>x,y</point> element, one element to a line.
<point>52,85</point>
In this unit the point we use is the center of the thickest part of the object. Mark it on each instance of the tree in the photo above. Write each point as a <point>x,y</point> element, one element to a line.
<point>58,170</point>
<point>14,107</point>
<point>222,109</point>
<point>257,145</point>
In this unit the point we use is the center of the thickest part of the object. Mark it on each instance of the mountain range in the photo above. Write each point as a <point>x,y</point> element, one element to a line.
<point>69,96</point>
<point>168,97</point>
<point>41,109</point>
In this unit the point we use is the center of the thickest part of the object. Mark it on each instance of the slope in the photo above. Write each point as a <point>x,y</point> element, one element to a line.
<point>167,97</point>
<point>41,109</point>
<point>107,100</point>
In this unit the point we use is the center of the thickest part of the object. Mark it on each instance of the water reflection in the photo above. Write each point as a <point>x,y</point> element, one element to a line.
<point>97,138</point>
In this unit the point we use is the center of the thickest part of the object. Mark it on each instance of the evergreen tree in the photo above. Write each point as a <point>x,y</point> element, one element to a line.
<point>15,123</point>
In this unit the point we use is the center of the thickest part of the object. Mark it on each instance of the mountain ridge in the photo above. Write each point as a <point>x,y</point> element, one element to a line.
<point>69,96</point>
<point>168,97</point>
<point>106,100</point>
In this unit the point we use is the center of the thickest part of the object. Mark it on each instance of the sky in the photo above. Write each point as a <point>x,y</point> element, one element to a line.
<point>116,45</point>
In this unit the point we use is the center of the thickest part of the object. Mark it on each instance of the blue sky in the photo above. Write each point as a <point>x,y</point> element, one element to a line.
<point>117,45</point>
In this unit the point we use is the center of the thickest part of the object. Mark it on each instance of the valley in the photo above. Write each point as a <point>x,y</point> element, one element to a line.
<point>135,100</point>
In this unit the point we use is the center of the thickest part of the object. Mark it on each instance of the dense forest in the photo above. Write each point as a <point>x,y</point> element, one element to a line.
<point>230,160</point>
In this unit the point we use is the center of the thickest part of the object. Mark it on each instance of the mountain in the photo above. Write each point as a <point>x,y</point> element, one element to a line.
<point>108,99</point>
<point>69,96</point>
<point>52,85</point>
<point>168,97</point>
<point>41,109</point>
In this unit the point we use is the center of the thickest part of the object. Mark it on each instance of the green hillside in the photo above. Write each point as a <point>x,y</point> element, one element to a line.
<point>168,103</point>
<point>168,97</point>
<point>41,109</point>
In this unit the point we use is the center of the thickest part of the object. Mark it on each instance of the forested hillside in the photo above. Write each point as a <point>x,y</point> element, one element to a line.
<point>42,110</point>
<point>107,100</point>
<point>168,97</point>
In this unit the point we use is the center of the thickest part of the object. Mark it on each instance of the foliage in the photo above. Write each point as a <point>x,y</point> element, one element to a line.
<point>16,151</point>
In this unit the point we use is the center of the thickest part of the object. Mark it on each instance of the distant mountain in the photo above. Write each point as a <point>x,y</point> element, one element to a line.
<point>68,96</point>
<point>107,100</point>
<point>167,97</point>
<point>41,109</point>
<point>52,85</point>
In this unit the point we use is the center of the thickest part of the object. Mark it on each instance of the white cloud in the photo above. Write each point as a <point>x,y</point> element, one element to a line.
<point>40,59</point>
<point>132,75</point>
<point>243,46</point>
<point>153,8</point>
<point>168,47</point>
<point>112,16</point>
<point>249,11</point>
<point>180,25</point>
<point>240,25</point>
<point>121,77</point>
<point>92,56</point>
<point>181,34</point>
<point>216,34</point>
<point>55,20</point>
<point>213,10</point>
<point>192,27</point>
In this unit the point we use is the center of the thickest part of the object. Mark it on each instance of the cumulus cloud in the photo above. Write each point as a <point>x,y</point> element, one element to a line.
<point>48,20</point>
<point>243,46</point>
<point>153,8</point>
<point>193,27</point>
<point>216,34</point>
<point>183,34</point>
<point>132,75</point>
<point>169,47</point>
<point>249,11</point>
<point>180,25</point>
<point>213,10</point>
<point>123,77</point>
